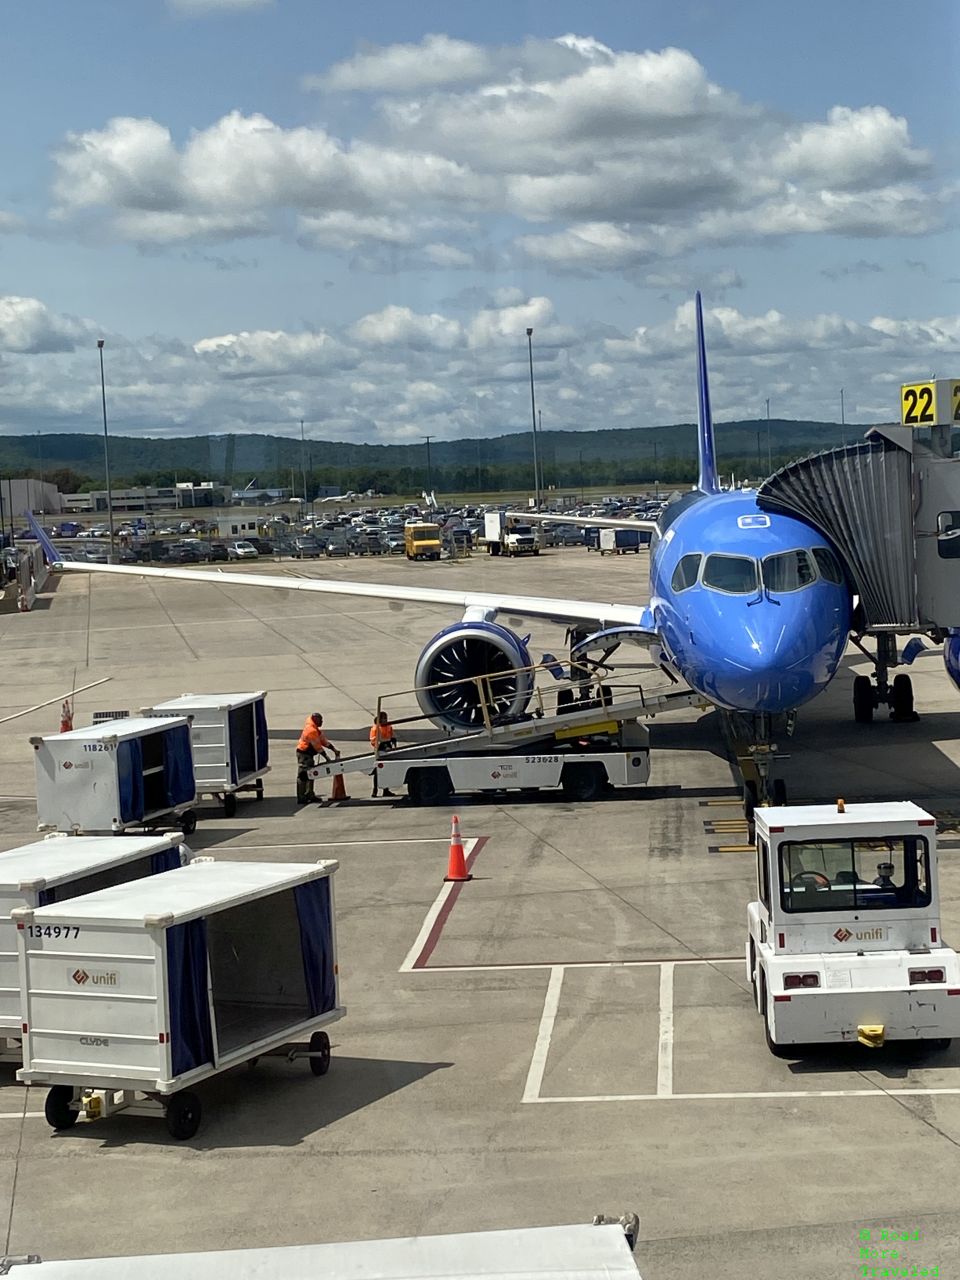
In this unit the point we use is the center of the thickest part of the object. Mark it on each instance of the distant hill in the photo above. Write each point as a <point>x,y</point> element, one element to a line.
<point>568,457</point>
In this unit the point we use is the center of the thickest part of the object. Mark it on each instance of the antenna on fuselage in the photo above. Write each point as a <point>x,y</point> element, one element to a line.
<point>708,481</point>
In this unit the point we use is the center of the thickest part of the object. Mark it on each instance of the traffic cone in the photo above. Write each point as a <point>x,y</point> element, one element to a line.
<point>66,716</point>
<point>339,789</point>
<point>457,864</point>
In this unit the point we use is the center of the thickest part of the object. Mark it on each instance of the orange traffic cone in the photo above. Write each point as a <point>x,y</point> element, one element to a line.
<point>339,789</point>
<point>457,865</point>
<point>66,716</point>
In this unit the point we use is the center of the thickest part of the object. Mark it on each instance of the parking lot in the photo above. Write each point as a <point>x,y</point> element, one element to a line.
<point>569,1032</point>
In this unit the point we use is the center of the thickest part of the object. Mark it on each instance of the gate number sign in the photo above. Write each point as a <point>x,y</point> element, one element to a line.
<point>930,404</point>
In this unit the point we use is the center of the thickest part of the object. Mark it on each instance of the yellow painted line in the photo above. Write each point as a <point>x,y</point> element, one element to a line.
<point>734,800</point>
<point>735,848</point>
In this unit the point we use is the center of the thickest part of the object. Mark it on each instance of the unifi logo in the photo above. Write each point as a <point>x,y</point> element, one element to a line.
<point>843,935</point>
<point>106,979</point>
<point>68,764</point>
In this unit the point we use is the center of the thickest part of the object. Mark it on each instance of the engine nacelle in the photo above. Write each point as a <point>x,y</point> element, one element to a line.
<point>463,652</point>
<point>951,656</point>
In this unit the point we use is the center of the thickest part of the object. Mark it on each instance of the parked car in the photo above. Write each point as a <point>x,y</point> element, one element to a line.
<point>242,549</point>
<point>306,548</point>
<point>181,553</point>
<point>262,546</point>
<point>218,551</point>
<point>336,547</point>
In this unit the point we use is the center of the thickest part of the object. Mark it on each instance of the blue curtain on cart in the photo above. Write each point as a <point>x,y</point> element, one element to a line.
<point>191,1040</point>
<point>165,860</point>
<point>178,766</point>
<point>130,779</point>
<point>315,916</point>
<point>263,742</point>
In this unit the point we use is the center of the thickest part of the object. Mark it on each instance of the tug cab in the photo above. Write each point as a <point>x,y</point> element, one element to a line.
<point>843,939</point>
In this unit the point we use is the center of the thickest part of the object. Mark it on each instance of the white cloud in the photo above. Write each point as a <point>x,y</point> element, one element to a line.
<point>399,326</point>
<point>396,374</point>
<point>854,149</point>
<point>436,60</point>
<point>27,326</point>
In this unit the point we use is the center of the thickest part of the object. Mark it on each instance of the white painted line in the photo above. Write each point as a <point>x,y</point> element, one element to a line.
<point>538,1063</point>
<point>577,964</point>
<point>321,844</point>
<point>746,1097</point>
<point>430,918</point>
<point>665,1041</point>
<point>22,1115</point>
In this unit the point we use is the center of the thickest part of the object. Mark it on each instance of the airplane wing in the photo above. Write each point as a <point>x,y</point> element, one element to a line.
<point>583,613</point>
<point>592,522</point>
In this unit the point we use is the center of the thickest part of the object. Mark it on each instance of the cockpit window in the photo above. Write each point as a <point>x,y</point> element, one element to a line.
<point>686,572</point>
<point>827,564</point>
<point>789,571</point>
<point>734,574</point>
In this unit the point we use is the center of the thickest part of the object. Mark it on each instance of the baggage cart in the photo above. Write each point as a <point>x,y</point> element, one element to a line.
<point>228,732</point>
<point>134,995</point>
<point>61,867</point>
<point>116,776</point>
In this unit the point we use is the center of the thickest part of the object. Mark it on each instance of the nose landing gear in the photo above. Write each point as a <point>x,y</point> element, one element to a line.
<point>869,694</point>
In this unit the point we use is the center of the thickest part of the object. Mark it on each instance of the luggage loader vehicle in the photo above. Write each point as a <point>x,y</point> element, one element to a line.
<point>843,941</point>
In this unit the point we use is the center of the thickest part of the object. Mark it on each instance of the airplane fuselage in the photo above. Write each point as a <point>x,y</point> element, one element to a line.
<point>752,608</point>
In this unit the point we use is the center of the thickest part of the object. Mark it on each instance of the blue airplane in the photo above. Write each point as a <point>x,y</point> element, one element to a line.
<point>750,608</point>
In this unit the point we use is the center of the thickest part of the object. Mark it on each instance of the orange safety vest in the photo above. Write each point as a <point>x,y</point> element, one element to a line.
<point>312,738</point>
<point>380,733</point>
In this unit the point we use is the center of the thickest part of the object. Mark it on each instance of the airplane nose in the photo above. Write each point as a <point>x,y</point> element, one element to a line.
<point>774,663</point>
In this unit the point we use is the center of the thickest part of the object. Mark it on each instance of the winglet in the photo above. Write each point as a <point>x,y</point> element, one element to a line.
<point>51,553</point>
<point>708,481</point>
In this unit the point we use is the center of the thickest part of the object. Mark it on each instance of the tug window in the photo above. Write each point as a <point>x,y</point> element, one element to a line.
<point>843,875</point>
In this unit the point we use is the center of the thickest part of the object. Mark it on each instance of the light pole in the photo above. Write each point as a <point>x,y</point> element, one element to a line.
<point>303,465</point>
<point>533,414</point>
<point>429,467</point>
<point>106,450</point>
<point>769,451</point>
<point>843,421</point>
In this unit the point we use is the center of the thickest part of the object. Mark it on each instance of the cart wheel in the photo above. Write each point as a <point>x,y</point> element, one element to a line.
<point>58,1108</point>
<point>183,1115</point>
<point>259,788</point>
<point>229,804</point>
<point>941,1044</point>
<point>188,822</point>
<point>320,1043</point>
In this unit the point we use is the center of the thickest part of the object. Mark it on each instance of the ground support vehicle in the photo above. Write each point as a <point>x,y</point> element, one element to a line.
<point>843,941</point>
<point>504,535</point>
<point>134,995</point>
<point>58,868</point>
<point>228,735</point>
<point>620,541</point>
<point>116,776</point>
<point>583,747</point>
<point>422,541</point>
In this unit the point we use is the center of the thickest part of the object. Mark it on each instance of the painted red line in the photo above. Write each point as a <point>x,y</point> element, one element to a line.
<point>433,937</point>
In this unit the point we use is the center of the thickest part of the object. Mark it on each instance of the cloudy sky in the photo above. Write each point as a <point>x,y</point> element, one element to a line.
<point>283,209</point>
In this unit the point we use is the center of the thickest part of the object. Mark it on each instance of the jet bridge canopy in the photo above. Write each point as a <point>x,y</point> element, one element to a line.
<point>890,505</point>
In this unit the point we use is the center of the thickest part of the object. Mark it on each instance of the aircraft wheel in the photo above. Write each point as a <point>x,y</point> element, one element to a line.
<point>902,702</point>
<point>862,700</point>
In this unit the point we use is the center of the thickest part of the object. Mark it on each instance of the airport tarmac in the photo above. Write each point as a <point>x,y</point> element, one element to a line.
<point>570,1032</point>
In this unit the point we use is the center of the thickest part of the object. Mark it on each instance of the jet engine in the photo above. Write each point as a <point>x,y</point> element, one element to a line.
<point>463,652</point>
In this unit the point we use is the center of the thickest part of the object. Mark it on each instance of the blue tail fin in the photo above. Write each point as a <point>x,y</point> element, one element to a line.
<point>49,550</point>
<point>708,481</point>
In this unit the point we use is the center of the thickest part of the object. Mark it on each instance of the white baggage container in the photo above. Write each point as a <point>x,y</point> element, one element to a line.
<point>228,732</point>
<point>116,776</point>
<point>154,986</point>
<point>61,867</point>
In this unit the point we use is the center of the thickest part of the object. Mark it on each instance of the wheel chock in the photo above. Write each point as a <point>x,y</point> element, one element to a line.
<point>871,1036</point>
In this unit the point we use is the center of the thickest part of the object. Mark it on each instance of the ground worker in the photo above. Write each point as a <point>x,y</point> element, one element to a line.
<point>313,741</point>
<point>381,739</point>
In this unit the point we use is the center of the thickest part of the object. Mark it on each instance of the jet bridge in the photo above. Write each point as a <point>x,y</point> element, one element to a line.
<point>890,505</point>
